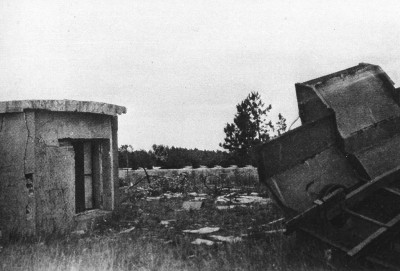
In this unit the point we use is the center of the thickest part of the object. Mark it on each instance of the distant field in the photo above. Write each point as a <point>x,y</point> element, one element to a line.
<point>246,176</point>
<point>123,173</point>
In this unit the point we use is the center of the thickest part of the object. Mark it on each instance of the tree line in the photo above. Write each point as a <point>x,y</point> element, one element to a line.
<point>175,157</point>
<point>251,127</point>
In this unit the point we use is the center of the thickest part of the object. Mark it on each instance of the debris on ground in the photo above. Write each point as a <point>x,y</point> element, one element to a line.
<point>167,222</point>
<point>195,194</point>
<point>152,198</point>
<point>204,230</point>
<point>225,207</point>
<point>199,241</point>
<point>234,198</point>
<point>199,198</point>
<point>276,231</point>
<point>192,205</point>
<point>228,239</point>
<point>127,230</point>
<point>170,195</point>
<point>78,232</point>
<point>276,221</point>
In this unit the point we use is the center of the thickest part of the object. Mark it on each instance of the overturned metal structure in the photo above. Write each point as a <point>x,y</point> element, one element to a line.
<point>58,164</point>
<point>337,177</point>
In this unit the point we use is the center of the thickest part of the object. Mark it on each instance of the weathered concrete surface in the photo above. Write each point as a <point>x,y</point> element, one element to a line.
<point>62,106</point>
<point>296,146</point>
<point>384,130</point>
<point>52,126</point>
<point>311,106</point>
<point>360,96</point>
<point>300,185</point>
<point>381,157</point>
<point>363,141</point>
<point>192,205</point>
<point>16,148</point>
<point>54,188</point>
<point>37,165</point>
<point>114,162</point>
<point>55,126</point>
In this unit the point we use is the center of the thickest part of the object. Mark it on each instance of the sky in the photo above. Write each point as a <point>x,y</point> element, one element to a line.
<point>180,67</point>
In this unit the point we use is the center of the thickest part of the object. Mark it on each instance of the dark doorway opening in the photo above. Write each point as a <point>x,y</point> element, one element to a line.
<point>79,177</point>
<point>87,170</point>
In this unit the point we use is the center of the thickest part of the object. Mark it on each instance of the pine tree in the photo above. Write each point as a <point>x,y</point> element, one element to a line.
<point>250,127</point>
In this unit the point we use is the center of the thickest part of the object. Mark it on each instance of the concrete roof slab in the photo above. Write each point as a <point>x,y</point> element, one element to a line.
<point>62,106</point>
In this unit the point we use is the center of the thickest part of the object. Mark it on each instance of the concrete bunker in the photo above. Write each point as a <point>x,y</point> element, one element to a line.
<point>58,166</point>
<point>350,132</point>
<point>337,176</point>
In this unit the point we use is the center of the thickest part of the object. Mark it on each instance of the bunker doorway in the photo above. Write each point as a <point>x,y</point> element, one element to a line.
<point>88,175</point>
<point>91,176</point>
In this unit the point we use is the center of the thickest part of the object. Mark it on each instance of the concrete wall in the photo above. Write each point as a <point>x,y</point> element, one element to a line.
<point>380,158</point>
<point>54,182</point>
<point>351,126</point>
<point>296,146</point>
<point>17,205</point>
<point>37,175</point>
<point>384,130</point>
<point>58,187</point>
<point>311,105</point>
<point>53,126</point>
<point>359,100</point>
<point>300,185</point>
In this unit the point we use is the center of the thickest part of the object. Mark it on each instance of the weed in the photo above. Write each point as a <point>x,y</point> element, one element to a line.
<point>136,239</point>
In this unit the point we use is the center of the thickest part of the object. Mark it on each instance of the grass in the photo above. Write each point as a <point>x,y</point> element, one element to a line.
<point>153,246</point>
<point>142,253</point>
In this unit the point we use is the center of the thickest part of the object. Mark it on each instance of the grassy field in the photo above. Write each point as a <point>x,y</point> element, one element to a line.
<point>147,233</point>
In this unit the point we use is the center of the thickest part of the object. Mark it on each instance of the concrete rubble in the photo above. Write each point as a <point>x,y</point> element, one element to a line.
<point>192,205</point>
<point>204,230</point>
<point>200,241</point>
<point>241,199</point>
<point>228,239</point>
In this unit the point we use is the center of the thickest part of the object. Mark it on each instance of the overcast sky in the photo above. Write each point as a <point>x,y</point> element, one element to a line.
<point>180,67</point>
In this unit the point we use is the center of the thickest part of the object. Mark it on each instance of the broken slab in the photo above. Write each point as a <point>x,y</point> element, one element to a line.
<point>204,230</point>
<point>167,222</point>
<point>200,241</point>
<point>228,239</point>
<point>127,230</point>
<point>226,207</point>
<point>241,199</point>
<point>172,195</point>
<point>192,205</point>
